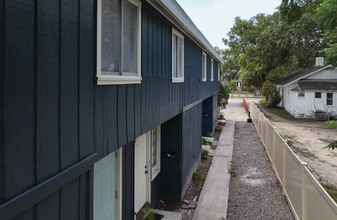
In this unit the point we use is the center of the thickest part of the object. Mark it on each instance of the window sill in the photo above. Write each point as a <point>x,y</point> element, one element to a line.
<point>178,80</point>
<point>203,80</point>
<point>118,80</point>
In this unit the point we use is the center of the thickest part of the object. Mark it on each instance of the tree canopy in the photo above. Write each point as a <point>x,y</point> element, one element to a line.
<point>265,48</point>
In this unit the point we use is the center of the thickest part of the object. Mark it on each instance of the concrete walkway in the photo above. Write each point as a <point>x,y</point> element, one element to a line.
<point>213,199</point>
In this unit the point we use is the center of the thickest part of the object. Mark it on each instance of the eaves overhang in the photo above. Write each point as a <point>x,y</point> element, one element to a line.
<point>323,67</point>
<point>171,10</point>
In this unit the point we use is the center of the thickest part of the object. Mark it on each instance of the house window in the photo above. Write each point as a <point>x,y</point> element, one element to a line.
<point>329,98</point>
<point>155,151</point>
<point>318,95</point>
<point>118,42</point>
<point>177,57</point>
<point>301,94</point>
<point>204,66</point>
<point>218,72</point>
<point>212,69</point>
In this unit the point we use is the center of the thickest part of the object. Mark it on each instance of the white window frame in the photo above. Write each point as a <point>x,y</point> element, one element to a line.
<point>212,69</point>
<point>204,67</point>
<point>155,170</point>
<point>121,77</point>
<point>301,94</point>
<point>178,79</point>
<point>332,99</point>
<point>218,72</point>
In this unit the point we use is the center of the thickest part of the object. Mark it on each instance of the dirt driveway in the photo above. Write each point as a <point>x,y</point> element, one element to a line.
<point>307,138</point>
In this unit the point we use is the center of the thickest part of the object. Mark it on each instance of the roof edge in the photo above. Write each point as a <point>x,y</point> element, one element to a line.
<point>324,67</point>
<point>174,13</point>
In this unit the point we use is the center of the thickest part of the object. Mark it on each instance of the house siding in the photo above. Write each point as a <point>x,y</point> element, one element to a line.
<point>55,115</point>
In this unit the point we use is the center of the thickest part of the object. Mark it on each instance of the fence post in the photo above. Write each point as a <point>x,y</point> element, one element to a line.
<point>274,146</point>
<point>267,136</point>
<point>304,191</point>
<point>284,168</point>
<point>261,126</point>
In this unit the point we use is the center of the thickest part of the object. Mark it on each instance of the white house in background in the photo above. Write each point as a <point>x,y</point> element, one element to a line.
<point>311,93</point>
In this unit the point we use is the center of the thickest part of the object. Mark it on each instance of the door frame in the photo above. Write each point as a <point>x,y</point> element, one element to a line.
<point>148,176</point>
<point>118,185</point>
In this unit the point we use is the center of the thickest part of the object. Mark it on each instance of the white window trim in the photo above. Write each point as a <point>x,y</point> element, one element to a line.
<point>333,99</point>
<point>218,72</point>
<point>178,79</point>
<point>156,169</point>
<point>298,95</point>
<point>118,79</point>
<point>204,68</point>
<point>212,69</point>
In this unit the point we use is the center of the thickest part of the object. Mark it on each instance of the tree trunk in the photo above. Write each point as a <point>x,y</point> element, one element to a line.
<point>270,99</point>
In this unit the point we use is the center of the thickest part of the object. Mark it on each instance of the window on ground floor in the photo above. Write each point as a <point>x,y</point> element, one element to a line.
<point>155,151</point>
<point>329,98</point>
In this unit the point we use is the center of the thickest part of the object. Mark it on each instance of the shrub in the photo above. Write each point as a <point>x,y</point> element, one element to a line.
<point>205,154</point>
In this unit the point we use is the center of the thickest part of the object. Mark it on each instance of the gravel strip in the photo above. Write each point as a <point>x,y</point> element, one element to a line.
<point>254,192</point>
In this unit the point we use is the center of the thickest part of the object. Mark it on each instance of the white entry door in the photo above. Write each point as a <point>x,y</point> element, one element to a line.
<point>104,188</point>
<point>318,101</point>
<point>140,172</point>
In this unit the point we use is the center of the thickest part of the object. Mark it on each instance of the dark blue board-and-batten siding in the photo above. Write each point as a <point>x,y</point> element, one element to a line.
<point>53,113</point>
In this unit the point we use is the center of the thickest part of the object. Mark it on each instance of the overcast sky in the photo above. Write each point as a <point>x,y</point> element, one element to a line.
<point>214,18</point>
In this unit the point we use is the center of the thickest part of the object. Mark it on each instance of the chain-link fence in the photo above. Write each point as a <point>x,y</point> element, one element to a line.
<point>306,197</point>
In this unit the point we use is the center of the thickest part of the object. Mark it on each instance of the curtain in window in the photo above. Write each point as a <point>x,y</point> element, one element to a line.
<point>110,35</point>
<point>129,37</point>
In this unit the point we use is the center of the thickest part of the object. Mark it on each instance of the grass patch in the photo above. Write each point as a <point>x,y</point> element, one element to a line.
<point>331,190</point>
<point>302,151</point>
<point>241,92</point>
<point>198,179</point>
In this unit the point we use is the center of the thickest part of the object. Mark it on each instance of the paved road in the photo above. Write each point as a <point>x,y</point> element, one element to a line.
<point>235,110</point>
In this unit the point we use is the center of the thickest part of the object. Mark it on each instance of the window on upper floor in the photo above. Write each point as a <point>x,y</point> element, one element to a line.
<point>218,72</point>
<point>177,56</point>
<point>204,66</point>
<point>301,94</point>
<point>329,98</point>
<point>212,69</point>
<point>118,42</point>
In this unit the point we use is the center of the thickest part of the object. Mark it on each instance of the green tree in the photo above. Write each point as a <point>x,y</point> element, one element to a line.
<point>223,96</point>
<point>232,85</point>
<point>332,125</point>
<point>267,48</point>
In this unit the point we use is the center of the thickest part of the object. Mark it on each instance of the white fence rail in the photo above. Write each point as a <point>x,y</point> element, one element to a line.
<point>306,197</point>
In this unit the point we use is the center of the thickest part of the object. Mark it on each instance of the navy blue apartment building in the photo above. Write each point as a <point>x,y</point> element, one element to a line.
<point>103,105</point>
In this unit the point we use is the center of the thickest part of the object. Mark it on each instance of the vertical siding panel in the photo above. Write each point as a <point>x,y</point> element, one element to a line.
<point>130,116</point>
<point>19,109</point>
<point>47,151</point>
<point>69,201</point>
<point>128,181</point>
<point>26,215</point>
<point>138,110</point>
<point>154,47</point>
<point>111,120</point>
<point>69,83</point>
<point>143,104</point>
<point>2,75</point>
<point>49,208</point>
<point>159,49</point>
<point>122,132</point>
<point>144,40</point>
<point>150,44</point>
<point>99,120</point>
<point>84,196</point>
<point>86,85</point>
